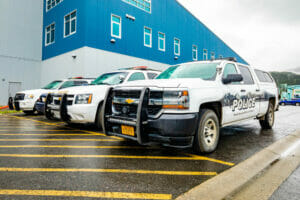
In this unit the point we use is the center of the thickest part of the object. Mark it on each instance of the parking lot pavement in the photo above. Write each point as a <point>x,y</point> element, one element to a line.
<point>50,159</point>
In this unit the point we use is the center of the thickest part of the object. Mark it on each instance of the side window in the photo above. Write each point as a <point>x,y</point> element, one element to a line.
<point>229,69</point>
<point>137,76</point>
<point>260,76</point>
<point>151,75</point>
<point>268,78</point>
<point>79,83</point>
<point>247,77</point>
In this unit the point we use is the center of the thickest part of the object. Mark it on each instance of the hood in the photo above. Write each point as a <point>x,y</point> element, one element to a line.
<point>35,92</point>
<point>84,89</point>
<point>171,83</point>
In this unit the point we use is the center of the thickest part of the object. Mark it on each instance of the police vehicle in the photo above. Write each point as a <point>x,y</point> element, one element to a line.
<point>83,105</point>
<point>187,104</point>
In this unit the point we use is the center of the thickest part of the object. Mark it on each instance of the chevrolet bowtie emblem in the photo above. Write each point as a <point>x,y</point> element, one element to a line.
<point>129,101</point>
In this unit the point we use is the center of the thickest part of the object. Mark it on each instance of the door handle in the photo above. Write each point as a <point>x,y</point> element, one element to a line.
<point>257,90</point>
<point>242,90</point>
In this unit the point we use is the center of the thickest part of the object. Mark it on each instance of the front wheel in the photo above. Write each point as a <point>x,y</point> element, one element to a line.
<point>208,133</point>
<point>268,120</point>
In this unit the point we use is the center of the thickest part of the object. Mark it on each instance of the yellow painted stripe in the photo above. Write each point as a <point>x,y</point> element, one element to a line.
<point>90,194</point>
<point>40,134</point>
<point>72,147</point>
<point>90,140</point>
<point>211,159</point>
<point>126,171</point>
<point>115,156</point>
<point>91,132</point>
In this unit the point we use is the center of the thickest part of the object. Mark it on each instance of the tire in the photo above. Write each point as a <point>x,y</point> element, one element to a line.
<point>208,124</point>
<point>98,121</point>
<point>268,120</point>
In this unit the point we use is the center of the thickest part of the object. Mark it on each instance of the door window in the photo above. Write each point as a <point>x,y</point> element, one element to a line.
<point>247,77</point>
<point>137,76</point>
<point>229,69</point>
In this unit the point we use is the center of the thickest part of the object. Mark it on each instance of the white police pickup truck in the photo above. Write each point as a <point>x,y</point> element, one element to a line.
<point>187,104</point>
<point>83,105</point>
<point>26,100</point>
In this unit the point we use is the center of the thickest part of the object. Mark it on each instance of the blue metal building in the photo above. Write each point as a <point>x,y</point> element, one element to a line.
<point>135,32</point>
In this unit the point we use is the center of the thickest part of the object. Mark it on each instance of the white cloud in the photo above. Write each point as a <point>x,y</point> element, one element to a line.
<point>265,33</point>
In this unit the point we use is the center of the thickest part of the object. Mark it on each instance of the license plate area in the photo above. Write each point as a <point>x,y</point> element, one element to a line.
<point>127,130</point>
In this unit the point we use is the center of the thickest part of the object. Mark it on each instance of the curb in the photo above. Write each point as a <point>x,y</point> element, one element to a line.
<point>4,107</point>
<point>231,180</point>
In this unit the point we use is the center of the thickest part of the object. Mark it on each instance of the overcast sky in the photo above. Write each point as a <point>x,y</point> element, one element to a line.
<point>266,33</point>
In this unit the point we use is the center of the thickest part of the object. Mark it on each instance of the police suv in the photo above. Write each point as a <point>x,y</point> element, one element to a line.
<point>187,104</point>
<point>83,105</point>
<point>26,100</point>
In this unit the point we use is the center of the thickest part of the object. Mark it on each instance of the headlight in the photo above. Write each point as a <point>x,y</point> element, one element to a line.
<point>83,99</point>
<point>177,99</point>
<point>29,96</point>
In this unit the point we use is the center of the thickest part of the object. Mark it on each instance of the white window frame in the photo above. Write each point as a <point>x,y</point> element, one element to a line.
<point>51,4</point>
<point>46,32</point>
<point>146,45</point>
<point>111,26</point>
<point>195,50</point>
<point>177,54</point>
<point>163,39</point>
<point>75,18</point>
<point>149,1</point>
<point>205,54</point>
<point>212,55</point>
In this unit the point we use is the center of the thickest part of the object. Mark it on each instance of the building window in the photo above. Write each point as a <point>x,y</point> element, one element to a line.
<point>116,27</point>
<point>141,4</point>
<point>50,34</point>
<point>195,52</point>
<point>52,3</point>
<point>147,37</point>
<point>205,54</point>
<point>212,55</point>
<point>220,56</point>
<point>70,24</point>
<point>177,47</point>
<point>161,41</point>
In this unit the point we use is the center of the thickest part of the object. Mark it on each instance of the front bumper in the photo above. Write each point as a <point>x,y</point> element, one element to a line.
<point>82,113</point>
<point>24,105</point>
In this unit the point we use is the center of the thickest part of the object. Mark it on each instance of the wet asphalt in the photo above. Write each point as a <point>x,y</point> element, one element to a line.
<point>39,159</point>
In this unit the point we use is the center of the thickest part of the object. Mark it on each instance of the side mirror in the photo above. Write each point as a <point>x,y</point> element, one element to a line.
<point>232,78</point>
<point>122,78</point>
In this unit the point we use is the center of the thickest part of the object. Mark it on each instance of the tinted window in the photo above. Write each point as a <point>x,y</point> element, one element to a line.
<point>229,69</point>
<point>151,75</point>
<point>110,78</point>
<point>137,76</point>
<point>53,85</point>
<point>247,77</point>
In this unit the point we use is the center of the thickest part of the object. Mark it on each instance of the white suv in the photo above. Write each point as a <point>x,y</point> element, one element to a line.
<point>83,105</point>
<point>25,100</point>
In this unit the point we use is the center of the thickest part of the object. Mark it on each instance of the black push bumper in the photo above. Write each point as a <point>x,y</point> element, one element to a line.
<point>176,130</point>
<point>62,107</point>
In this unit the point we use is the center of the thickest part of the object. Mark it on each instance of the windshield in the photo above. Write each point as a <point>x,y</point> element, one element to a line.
<point>52,85</point>
<point>73,83</point>
<point>205,71</point>
<point>110,78</point>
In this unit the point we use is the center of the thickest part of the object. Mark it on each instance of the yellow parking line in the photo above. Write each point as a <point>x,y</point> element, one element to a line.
<point>41,130</point>
<point>116,156</point>
<point>211,159</point>
<point>72,147</point>
<point>90,140</point>
<point>126,171</point>
<point>91,132</point>
<point>90,194</point>
<point>40,134</point>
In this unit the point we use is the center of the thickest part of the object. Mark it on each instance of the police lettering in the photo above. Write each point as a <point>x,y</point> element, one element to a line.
<point>243,104</point>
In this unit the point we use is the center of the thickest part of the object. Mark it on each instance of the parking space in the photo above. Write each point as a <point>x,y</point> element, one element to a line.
<point>51,160</point>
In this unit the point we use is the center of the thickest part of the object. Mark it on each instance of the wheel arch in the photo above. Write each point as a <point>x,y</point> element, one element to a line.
<point>216,106</point>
